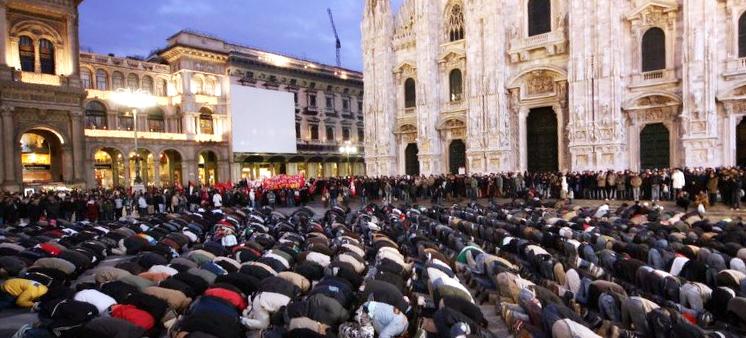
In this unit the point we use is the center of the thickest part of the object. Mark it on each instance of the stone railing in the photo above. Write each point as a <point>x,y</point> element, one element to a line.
<point>454,106</point>
<point>735,67</point>
<point>123,62</point>
<point>553,42</point>
<point>40,78</point>
<point>126,134</point>
<point>653,78</point>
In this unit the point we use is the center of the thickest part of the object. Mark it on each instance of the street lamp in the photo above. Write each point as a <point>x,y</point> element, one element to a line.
<point>134,99</point>
<point>348,149</point>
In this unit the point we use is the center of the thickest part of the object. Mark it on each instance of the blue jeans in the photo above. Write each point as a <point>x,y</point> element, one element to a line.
<point>609,308</point>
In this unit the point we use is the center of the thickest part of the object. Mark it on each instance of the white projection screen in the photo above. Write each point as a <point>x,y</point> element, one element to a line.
<point>263,120</point>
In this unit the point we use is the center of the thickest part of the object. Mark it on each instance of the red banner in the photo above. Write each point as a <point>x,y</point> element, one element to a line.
<point>283,182</point>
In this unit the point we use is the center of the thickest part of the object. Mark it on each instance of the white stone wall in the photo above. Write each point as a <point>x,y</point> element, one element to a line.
<point>587,68</point>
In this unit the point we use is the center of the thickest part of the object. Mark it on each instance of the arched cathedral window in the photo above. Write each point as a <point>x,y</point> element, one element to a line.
<point>410,93</point>
<point>653,50</point>
<point>539,17</point>
<point>455,23</point>
<point>456,85</point>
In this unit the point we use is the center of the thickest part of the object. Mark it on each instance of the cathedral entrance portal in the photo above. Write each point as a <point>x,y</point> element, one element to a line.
<point>456,156</point>
<point>541,140</point>
<point>411,163</point>
<point>741,144</point>
<point>655,145</point>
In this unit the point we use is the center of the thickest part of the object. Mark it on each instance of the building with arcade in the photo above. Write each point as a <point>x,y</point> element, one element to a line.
<point>60,123</point>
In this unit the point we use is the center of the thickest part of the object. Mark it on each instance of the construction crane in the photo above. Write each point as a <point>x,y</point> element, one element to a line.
<point>336,36</point>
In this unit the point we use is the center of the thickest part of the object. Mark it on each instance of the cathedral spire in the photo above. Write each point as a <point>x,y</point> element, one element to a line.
<point>374,7</point>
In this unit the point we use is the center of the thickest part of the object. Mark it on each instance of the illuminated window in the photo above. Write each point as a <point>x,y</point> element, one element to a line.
<point>117,80</point>
<point>46,56</point>
<point>95,115</point>
<point>329,133</point>
<point>210,87</point>
<point>85,78</point>
<point>156,122</point>
<point>36,158</point>
<point>27,53</point>
<point>133,82</point>
<point>101,80</point>
<point>147,84</point>
<point>198,86</point>
<point>126,122</point>
<point>314,129</point>
<point>205,122</point>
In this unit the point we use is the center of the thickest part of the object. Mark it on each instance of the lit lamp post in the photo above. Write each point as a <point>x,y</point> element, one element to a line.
<point>134,99</point>
<point>348,150</point>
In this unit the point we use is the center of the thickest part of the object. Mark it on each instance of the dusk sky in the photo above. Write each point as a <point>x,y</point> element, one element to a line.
<point>295,27</point>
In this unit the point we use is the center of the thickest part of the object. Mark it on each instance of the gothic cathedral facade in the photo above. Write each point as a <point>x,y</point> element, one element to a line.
<point>477,86</point>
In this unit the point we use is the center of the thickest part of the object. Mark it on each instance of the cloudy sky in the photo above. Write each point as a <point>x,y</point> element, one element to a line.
<point>295,27</point>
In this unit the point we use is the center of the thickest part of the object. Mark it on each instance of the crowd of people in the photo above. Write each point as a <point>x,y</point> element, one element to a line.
<point>688,187</point>
<point>223,272</point>
<point>219,262</point>
<point>383,271</point>
<point>706,186</point>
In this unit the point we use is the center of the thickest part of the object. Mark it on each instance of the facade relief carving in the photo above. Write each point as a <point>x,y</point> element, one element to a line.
<point>539,82</point>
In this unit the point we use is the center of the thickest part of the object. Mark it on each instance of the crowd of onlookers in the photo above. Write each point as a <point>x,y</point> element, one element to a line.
<point>695,185</point>
<point>687,187</point>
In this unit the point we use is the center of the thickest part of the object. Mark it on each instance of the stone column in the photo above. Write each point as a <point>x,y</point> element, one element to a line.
<point>190,172</point>
<point>223,171</point>
<point>78,146</point>
<point>127,179</point>
<point>73,47</point>
<point>235,171</point>
<point>69,167</point>
<point>157,170</point>
<point>634,145</point>
<point>522,144</point>
<point>90,180</point>
<point>4,34</point>
<point>9,147</point>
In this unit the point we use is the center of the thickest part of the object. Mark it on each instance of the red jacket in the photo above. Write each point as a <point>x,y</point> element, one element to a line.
<point>229,296</point>
<point>133,315</point>
<point>50,249</point>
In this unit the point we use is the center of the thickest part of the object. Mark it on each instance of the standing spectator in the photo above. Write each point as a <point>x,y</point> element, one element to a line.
<point>712,188</point>
<point>142,205</point>
<point>677,181</point>
<point>635,182</point>
<point>601,185</point>
<point>736,186</point>
<point>217,200</point>
<point>611,180</point>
